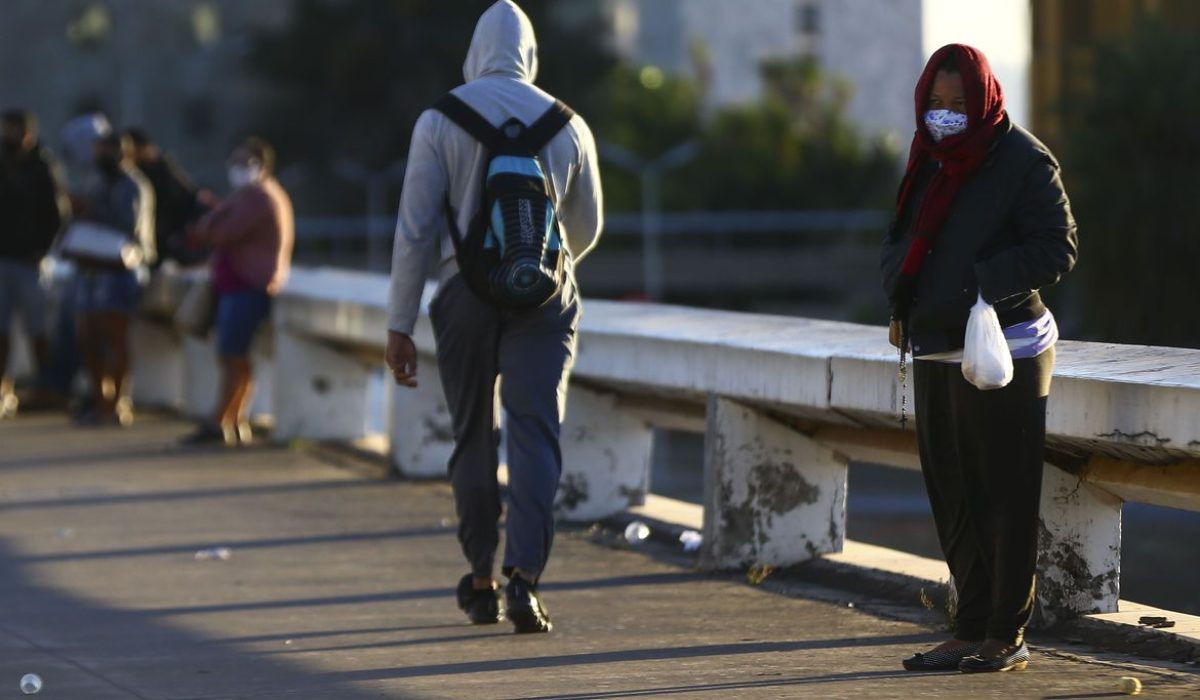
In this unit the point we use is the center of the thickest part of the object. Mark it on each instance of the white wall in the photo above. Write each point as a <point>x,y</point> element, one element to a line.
<point>877,46</point>
<point>1002,29</point>
<point>739,35</point>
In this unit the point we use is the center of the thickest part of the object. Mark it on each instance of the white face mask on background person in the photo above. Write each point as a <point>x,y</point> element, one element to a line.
<point>243,175</point>
<point>944,122</point>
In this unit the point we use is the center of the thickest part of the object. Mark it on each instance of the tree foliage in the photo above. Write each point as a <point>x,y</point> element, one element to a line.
<point>1133,171</point>
<point>350,77</point>
<point>795,148</point>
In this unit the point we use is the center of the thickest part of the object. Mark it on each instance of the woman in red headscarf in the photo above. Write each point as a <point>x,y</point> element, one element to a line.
<point>981,213</point>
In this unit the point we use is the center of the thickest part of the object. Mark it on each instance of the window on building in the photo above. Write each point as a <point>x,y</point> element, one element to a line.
<point>808,18</point>
<point>206,23</point>
<point>91,27</point>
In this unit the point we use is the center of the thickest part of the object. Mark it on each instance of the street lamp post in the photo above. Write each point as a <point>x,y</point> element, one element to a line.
<point>650,173</point>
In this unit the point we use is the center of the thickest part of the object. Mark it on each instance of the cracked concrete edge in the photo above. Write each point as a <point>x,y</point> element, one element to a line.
<point>894,584</point>
<point>1121,632</point>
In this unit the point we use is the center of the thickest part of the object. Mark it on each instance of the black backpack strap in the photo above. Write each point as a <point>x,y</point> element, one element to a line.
<point>547,126</point>
<point>469,120</point>
<point>456,236</point>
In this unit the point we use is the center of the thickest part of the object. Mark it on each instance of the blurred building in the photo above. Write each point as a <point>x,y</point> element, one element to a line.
<point>878,47</point>
<point>1066,36</point>
<point>874,45</point>
<point>172,66</point>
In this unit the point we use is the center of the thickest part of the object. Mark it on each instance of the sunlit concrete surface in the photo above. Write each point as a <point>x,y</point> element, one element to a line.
<point>340,585</point>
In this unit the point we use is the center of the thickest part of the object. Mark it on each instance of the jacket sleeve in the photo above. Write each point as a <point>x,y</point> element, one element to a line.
<point>420,225</point>
<point>582,209</point>
<point>1047,245</point>
<point>53,206</point>
<point>180,196</point>
<point>891,257</point>
<point>146,211</point>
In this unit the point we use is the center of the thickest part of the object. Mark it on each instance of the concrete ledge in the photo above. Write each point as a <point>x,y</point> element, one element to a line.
<point>1121,631</point>
<point>905,578</point>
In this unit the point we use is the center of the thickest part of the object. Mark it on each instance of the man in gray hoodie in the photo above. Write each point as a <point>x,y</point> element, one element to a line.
<point>477,343</point>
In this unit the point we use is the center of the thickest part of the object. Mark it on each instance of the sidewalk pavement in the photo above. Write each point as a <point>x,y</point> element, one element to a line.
<point>339,585</point>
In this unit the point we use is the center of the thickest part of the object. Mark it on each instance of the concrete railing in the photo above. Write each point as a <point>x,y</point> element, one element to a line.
<point>785,405</point>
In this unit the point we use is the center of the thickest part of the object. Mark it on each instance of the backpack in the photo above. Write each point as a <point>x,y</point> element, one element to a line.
<point>512,255</point>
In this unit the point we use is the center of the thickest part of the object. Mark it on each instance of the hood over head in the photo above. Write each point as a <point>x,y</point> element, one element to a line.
<point>985,99</point>
<point>503,45</point>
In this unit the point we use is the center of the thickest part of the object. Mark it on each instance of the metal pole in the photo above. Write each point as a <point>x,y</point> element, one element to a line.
<point>652,259</point>
<point>376,210</point>
<point>650,174</point>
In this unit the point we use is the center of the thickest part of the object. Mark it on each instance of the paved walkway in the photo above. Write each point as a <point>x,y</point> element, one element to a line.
<point>340,586</point>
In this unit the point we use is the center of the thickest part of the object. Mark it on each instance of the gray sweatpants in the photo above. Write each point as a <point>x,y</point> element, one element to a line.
<point>531,353</point>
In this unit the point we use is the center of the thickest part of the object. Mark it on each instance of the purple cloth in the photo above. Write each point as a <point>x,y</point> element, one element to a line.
<point>1032,338</point>
<point>225,279</point>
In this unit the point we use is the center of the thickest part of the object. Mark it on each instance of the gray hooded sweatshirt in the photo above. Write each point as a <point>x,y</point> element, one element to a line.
<point>500,69</point>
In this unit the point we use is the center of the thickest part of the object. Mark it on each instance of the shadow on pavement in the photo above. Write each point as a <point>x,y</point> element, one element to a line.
<point>188,495</point>
<point>640,655</point>
<point>241,545</point>
<point>86,651</point>
<point>727,687</point>
<point>419,594</point>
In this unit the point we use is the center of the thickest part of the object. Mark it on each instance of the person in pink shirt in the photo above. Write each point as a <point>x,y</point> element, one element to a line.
<point>251,236</point>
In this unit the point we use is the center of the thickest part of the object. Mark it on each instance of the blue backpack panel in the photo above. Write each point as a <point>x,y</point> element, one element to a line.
<point>512,255</point>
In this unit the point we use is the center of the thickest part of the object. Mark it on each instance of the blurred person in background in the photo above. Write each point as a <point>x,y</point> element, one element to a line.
<point>981,213</point>
<point>478,340</point>
<point>251,236</point>
<point>77,138</point>
<point>118,197</point>
<point>177,200</point>
<point>33,207</point>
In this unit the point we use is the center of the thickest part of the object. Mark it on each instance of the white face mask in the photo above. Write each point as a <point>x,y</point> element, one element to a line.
<point>243,175</point>
<point>943,122</point>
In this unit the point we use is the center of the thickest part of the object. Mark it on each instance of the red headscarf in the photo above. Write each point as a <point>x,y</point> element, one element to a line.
<point>959,156</point>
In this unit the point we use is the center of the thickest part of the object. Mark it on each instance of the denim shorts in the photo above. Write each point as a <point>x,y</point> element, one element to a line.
<point>238,317</point>
<point>107,290</point>
<point>21,292</point>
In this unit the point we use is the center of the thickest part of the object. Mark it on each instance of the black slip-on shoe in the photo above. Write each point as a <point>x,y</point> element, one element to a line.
<point>524,608</point>
<point>207,434</point>
<point>940,660</point>
<point>481,606</point>
<point>1016,661</point>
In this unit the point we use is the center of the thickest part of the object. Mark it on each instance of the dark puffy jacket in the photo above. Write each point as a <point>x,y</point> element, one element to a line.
<point>175,206</point>
<point>1009,233</point>
<point>32,205</point>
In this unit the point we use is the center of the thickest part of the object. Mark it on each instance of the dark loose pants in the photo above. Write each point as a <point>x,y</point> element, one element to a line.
<point>982,454</point>
<point>531,354</point>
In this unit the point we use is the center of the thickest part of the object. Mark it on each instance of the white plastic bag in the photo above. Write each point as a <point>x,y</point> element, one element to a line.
<point>987,361</point>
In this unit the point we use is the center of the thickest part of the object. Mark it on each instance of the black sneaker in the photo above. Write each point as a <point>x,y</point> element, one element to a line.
<point>481,607</point>
<point>524,608</point>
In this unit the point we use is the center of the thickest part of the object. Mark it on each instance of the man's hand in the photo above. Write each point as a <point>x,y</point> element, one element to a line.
<point>402,359</point>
